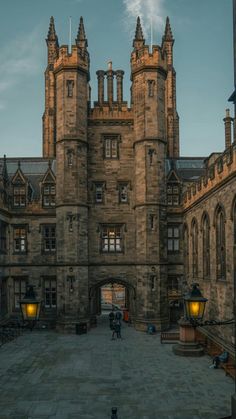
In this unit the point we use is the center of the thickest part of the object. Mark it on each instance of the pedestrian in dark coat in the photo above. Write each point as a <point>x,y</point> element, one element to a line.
<point>111,318</point>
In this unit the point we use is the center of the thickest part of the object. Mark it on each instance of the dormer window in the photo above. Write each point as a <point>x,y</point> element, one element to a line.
<point>19,196</point>
<point>49,195</point>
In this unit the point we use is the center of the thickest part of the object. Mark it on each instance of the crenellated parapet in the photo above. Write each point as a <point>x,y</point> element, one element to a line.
<point>144,59</point>
<point>75,59</point>
<point>217,173</point>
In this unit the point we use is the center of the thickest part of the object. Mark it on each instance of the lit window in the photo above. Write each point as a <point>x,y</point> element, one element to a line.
<point>173,239</point>
<point>111,240</point>
<point>20,239</point>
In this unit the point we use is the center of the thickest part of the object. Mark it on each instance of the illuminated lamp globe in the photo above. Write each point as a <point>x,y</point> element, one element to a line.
<point>194,304</point>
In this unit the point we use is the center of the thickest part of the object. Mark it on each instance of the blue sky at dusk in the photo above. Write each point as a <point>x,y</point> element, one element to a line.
<point>203,59</point>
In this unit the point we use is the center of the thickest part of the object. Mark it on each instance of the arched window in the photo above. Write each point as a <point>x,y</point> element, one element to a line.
<point>186,249</point>
<point>194,248</point>
<point>206,246</point>
<point>220,243</point>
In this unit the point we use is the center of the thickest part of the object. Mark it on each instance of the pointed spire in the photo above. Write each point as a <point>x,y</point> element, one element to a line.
<point>81,39</point>
<point>52,36</point>
<point>138,38</point>
<point>168,32</point>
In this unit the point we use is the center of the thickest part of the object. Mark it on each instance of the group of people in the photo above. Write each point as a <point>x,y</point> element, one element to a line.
<point>115,324</point>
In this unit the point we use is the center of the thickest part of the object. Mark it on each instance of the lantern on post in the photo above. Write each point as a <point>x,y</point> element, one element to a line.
<point>194,304</point>
<point>30,307</point>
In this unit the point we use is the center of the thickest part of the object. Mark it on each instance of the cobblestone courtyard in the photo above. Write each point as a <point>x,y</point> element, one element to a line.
<point>47,375</point>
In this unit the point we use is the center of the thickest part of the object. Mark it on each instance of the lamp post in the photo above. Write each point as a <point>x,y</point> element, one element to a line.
<point>30,307</point>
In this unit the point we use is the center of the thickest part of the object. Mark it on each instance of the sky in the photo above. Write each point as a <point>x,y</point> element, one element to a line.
<point>203,60</point>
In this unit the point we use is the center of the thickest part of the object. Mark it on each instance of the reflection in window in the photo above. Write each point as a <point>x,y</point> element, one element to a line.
<point>50,293</point>
<point>111,150</point>
<point>20,239</point>
<point>173,239</point>
<point>49,196</point>
<point>19,196</point>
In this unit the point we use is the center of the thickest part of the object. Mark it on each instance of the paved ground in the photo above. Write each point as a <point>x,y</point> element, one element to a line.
<point>47,375</point>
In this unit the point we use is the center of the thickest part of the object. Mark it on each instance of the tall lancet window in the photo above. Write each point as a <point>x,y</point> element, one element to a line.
<point>220,244</point>
<point>194,234</point>
<point>206,246</point>
<point>186,249</point>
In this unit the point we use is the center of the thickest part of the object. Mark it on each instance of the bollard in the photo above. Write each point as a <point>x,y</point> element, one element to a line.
<point>114,413</point>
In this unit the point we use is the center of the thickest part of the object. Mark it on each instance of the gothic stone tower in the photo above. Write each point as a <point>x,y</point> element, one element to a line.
<point>110,177</point>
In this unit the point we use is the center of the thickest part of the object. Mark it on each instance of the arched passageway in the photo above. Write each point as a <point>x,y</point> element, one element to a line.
<point>112,293</point>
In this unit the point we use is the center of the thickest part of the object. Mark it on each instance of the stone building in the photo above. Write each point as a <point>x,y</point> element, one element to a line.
<point>111,201</point>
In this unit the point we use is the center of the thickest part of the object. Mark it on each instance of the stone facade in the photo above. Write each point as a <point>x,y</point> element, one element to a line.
<point>104,205</point>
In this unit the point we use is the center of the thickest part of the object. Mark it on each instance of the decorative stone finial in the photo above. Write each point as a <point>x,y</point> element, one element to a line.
<point>81,39</point>
<point>138,38</point>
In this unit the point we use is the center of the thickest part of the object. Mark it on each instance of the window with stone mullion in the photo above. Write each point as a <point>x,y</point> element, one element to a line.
<point>50,293</point>
<point>111,239</point>
<point>20,240</point>
<point>49,239</point>
<point>49,193</point>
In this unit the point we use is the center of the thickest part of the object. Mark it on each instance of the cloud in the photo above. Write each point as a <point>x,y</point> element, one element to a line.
<point>148,11</point>
<point>21,58</point>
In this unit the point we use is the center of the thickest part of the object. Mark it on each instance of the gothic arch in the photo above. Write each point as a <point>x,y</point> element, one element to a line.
<point>219,208</point>
<point>112,280</point>
<point>205,216</point>
<point>194,240</point>
<point>220,240</point>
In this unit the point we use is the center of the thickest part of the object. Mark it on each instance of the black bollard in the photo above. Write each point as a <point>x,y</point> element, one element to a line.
<point>114,413</point>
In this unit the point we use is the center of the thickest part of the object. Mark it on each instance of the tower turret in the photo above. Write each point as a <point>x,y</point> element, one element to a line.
<point>172,117</point>
<point>148,74</point>
<point>49,121</point>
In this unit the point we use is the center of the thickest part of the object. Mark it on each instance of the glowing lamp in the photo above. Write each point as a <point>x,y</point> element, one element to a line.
<point>194,304</point>
<point>30,306</point>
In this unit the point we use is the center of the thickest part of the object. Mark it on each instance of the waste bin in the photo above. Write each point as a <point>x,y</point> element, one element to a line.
<point>81,328</point>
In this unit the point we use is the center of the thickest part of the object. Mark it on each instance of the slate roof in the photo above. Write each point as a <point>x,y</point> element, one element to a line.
<point>188,169</point>
<point>33,168</point>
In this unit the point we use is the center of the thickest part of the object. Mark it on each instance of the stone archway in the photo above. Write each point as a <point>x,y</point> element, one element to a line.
<point>95,296</point>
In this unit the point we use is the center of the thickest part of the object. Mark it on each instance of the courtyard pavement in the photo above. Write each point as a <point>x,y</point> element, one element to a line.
<point>48,375</point>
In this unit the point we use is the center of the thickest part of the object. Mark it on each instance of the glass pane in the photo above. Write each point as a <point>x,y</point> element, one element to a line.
<point>176,232</point>
<point>176,245</point>
<point>170,232</point>
<point>170,245</point>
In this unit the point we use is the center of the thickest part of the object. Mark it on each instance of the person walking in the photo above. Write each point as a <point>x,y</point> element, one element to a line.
<point>116,330</point>
<point>118,316</point>
<point>111,319</point>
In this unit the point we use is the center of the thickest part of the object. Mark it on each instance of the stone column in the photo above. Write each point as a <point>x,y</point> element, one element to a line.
<point>110,75</point>
<point>119,86</point>
<point>100,76</point>
<point>228,120</point>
